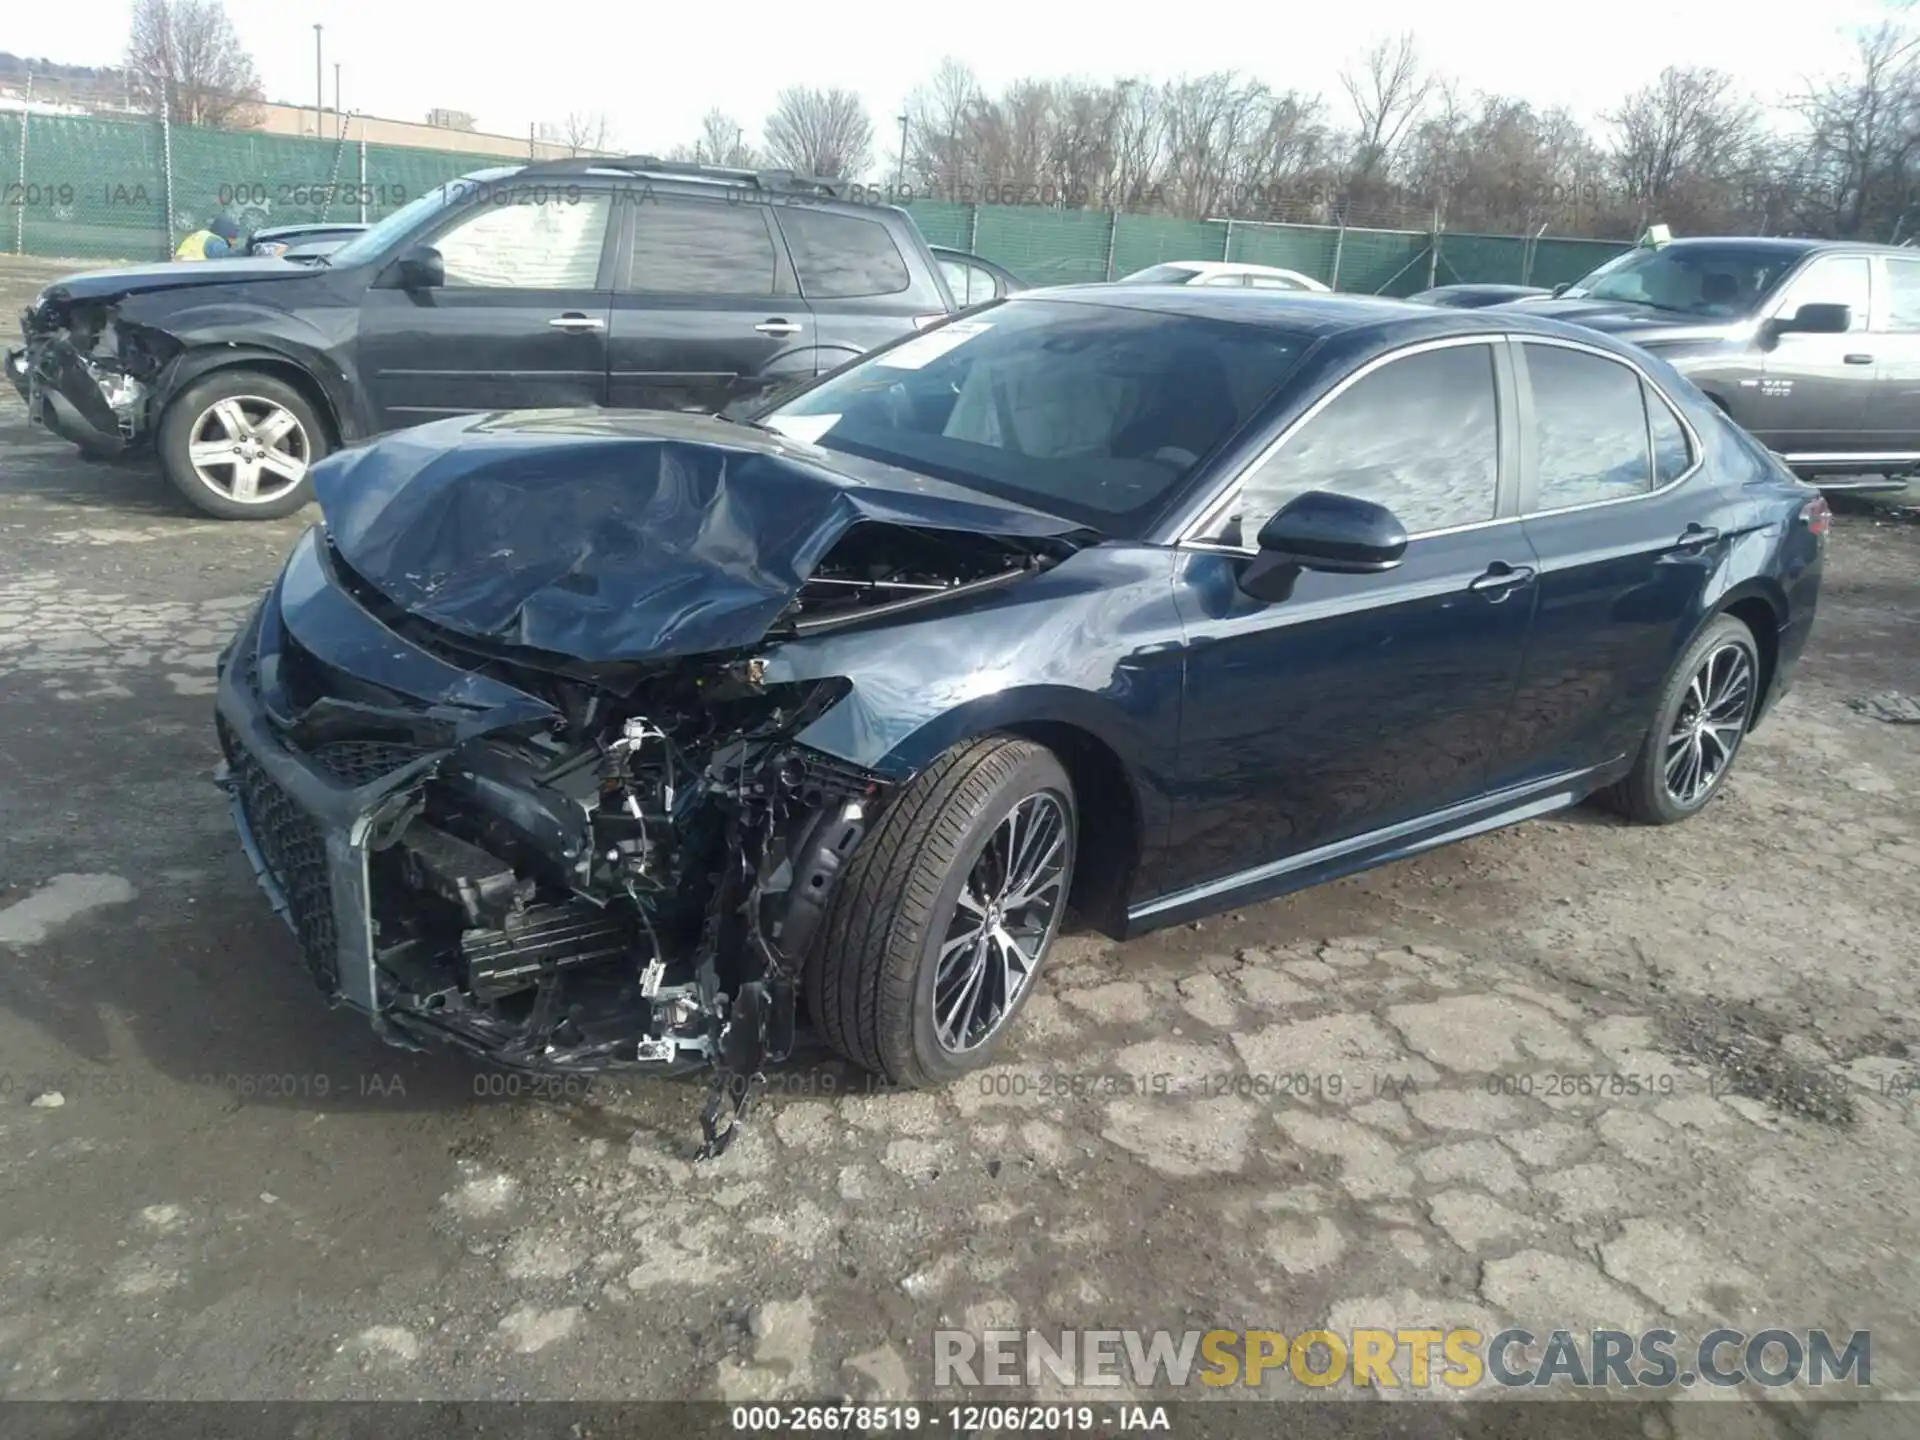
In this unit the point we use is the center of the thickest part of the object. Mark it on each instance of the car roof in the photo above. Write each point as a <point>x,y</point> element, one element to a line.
<point>1229,267</point>
<point>1775,244</point>
<point>1322,315</point>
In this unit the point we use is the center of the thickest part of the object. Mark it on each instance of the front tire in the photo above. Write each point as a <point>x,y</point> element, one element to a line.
<point>940,927</point>
<point>1703,716</point>
<point>241,445</point>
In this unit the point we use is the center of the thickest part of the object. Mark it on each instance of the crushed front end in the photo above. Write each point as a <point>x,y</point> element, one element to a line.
<point>87,374</point>
<point>559,866</point>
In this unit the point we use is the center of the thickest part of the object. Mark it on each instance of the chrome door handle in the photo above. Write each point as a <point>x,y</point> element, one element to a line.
<point>1857,359</point>
<point>1696,537</point>
<point>576,321</point>
<point>777,327</point>
<point>1501,580</point>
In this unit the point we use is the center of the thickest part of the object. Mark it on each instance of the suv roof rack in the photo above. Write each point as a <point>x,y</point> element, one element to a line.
<point>769,180</point>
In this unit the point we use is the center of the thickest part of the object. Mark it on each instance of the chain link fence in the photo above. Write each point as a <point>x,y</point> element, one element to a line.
<point>95,189</point>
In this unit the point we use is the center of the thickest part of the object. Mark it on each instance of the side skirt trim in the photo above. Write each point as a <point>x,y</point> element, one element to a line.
<point>1409,837</point>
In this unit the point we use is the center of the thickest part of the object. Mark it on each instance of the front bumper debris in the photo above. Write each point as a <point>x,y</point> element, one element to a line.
<point>100,409</point>
<point>462,938</point>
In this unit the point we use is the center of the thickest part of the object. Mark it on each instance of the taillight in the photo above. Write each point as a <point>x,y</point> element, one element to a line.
<point>1817,515</point>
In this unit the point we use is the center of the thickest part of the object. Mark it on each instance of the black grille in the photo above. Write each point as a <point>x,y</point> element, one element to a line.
<point>361,762</point>
<point>296,853</point>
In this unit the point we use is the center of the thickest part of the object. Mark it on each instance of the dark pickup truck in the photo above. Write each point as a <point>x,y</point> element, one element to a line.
<point>1813,346</point>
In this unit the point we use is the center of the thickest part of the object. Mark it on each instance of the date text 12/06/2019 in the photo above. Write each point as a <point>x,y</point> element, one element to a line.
<point>952,1419</point>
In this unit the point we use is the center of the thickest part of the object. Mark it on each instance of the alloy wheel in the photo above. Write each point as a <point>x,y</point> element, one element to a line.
<point>249,450</point>
<point>1002,923</point>
<point>1714,713</point>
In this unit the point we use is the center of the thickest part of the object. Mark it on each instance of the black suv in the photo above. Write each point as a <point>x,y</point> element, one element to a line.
<point>632,283</point>
<point>1812,345</point>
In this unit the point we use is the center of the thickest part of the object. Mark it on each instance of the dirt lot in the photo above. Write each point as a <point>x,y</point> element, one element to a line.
<point>210,1187</point>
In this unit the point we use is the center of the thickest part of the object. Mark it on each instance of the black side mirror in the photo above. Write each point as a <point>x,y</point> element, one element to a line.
<point>1562,288</point>
<point>1323,531</point>
<point>421,268</point>
<point>1815,320</point>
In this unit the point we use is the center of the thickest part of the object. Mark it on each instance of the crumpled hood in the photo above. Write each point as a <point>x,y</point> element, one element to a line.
<point>607,536</point>
<point>172,275</point>
<point>1635,323</point>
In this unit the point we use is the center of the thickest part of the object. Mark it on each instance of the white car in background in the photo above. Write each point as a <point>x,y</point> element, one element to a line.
<point>1225,273</point>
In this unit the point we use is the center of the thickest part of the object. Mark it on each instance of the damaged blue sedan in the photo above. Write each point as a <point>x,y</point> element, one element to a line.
<point>591,739</point>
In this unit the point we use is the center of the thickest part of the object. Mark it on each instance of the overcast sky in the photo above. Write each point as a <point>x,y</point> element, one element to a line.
<point>655,69</point>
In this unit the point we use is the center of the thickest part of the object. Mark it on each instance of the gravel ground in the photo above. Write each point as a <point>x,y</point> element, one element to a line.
<point>211,1187</point>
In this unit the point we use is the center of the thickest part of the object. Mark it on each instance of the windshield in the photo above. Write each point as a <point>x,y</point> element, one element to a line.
<point>1097,413</point>
<point>1160,275</point>
<point>372,243</point>
<point>1705,280</point>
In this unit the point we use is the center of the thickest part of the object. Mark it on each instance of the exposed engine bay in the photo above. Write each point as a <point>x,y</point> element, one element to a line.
<point>632,879</point>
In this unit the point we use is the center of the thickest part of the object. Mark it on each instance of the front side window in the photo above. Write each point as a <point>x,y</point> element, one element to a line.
<point>1098,413</point>
<point>1420,435</point>
<point>1160,275</point>
<point>550,243</point>
<point>1834,280</point>
<point>703,247</point>
<point>1590,428</point>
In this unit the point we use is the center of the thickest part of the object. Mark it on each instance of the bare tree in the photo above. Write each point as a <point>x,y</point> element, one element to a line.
<point>1855,173</point>
<point>1387,91</point>
<point>820,132</point>
<point>1688,149</point>
<point>586,132</point>
<point>723,141</point>
<point>185,54</point>
<point>1684,148</point>
<point>941,120</point>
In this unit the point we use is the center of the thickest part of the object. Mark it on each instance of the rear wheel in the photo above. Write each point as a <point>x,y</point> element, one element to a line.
<point>240,445</point>
<point>1703,715</point>
<point>940,926</point>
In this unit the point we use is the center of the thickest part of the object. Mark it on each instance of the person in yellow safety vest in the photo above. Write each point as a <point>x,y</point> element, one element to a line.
<point>218,239</point>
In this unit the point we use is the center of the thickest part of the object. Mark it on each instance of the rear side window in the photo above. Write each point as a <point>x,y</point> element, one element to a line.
<point>969,283</point>
<point>704,247</point>
<point>1420,435</point>
<point>842,257</point>
<point>1589,426</point>
<point>1672,451</point>
<point>1903,298</point>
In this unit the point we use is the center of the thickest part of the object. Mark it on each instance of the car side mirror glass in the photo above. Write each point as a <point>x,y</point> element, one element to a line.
<point>421,268</point>
<point>1816,320</point>
<point>1320,530</point>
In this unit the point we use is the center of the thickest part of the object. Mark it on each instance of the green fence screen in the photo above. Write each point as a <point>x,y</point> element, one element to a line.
<point>84,188</point>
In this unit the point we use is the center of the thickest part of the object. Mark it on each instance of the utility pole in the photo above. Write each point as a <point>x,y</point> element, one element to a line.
<point>339,124</point>
<point>319,89</point>
<point>900,174</point>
